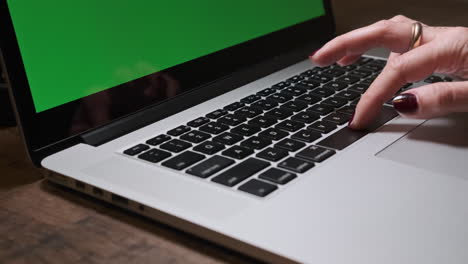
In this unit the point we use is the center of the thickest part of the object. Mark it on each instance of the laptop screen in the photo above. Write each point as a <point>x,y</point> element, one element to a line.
<point>73,49</point>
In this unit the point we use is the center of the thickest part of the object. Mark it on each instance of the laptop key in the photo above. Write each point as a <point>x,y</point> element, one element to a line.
<point>232,120</point>
<point>305,117</point>
<point>309,99</point>
<point>348,79</point>
<point>209,147</point>
<point>359,88</point>
<point>315,153</point>
<point>273,154</point>
<point>258,188</point>
<point>296,105</point>
<point>251,99</point>
<point>217,114</point>
<point>195,136</point>
<point>154,155</point>
<point>136,149</point>
<point>307,84</point>
<point>179,131</point>
<point>296,165</point>
<point>249,112</point>
<point>294,91</point>
<point>274,134</point>
<point>337,86</point>
<point>306,135</point>
<point>263,121</point>
<point>183,160</point>
<point>266,104</point>
<point>228,138</point>
<point>334,72</point>
<point>158,140</point>
<point>280,113</point>
<point>266,92</point>
<point>280,97</point>
<point>323,127</point>
<point>322,92</point>
<point>348,95</point>
<point>198,122</point>
<point>295,79</point>
<point>290,145</point>
<point>238,152</point>
<point>210,166</point>
<point>234,106</point>
<point>338,118</point>
<point>320,78</point>
<point>281,85</point>
<point>290,125</point>
<point>176,145</point>
<point>256,143</point>
<point>349,110</point>
<point>214,128</point>
<point>334,102</point>
<point>240,172</point>
<point>277,176</point>
<point>245,130</point>
<point>360,73</point>
<point>320,109</point>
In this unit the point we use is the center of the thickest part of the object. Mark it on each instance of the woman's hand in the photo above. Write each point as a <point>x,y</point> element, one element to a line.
<point>443,50</point>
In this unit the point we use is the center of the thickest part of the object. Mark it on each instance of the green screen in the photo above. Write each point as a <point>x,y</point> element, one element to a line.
<point>72,49</point>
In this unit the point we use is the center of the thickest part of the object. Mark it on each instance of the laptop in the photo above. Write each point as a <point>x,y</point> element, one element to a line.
<point>209,117</point>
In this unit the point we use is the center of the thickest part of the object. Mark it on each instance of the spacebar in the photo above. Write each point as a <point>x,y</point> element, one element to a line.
<point>346,136</point>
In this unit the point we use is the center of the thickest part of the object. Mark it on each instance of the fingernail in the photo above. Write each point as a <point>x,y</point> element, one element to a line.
<point>313,53</point>
<point>351,119</point>
<point>405,103</point>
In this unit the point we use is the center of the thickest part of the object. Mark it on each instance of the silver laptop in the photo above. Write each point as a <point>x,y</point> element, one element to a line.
<point>208,117</point>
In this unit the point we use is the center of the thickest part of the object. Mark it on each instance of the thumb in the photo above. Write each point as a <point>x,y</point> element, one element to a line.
<point>433,100</point>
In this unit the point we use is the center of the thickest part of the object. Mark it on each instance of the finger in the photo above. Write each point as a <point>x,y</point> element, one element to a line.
<point>408,67</point>
<point>349,59</point>
<point>433,100</point>
<point>394,36</point>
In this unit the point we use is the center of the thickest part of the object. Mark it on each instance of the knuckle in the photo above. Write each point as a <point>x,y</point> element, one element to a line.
<point>445,95</point>
<point>384,25</point>
<point>400,18</point>
<point>397,65</point>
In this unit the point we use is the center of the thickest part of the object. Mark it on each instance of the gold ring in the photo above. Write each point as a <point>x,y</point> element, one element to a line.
<point>416,36</point>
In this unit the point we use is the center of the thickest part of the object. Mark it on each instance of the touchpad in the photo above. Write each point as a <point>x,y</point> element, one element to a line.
<point>439,145</point>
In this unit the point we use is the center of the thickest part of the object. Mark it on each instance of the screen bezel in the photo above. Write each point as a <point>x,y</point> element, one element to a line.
<point>238,57</point>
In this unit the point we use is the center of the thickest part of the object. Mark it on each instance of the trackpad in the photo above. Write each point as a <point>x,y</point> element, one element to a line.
<point>439,145</point>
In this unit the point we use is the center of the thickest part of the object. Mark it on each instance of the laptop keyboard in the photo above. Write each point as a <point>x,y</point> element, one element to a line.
<point>264,141</point>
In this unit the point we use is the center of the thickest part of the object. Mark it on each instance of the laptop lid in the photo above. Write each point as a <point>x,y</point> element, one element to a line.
<point>77,67</point>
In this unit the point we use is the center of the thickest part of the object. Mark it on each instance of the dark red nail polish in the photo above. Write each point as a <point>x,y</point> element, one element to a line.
<point>405,103</point>
<point>351,119</point>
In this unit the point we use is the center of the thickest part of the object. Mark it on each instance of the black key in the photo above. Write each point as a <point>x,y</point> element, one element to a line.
<point>210,166</point>
<point>232,120</point>
<point>277,176</point>
<point>238,152</point>
<point>245,130</point>
<point>320,78</point>
<point>334,102</point>
<point>294,91</point>
<point>309,84</point>
<point>296,106</point>
<point>372,68</point>
<point>266,92</point>
<point>266,104</point>
<point>258,188</point>
<point>217,114</point>
<point>183,160</point>
<point>311,72</point>
<point>433,79</point>
<point>281,85</point>
<point>322,92</point>
<point>346,136</point>
<point>178,131</point>
<point>448,79</point>
<point>337,86</point>
<point>136,149</point>
<point>240,172</point>
<point>263,121</point>
<point>348,79</point>
<point>406,86</point>
<point>234,106</point>
<point>334,72</point>
<point>348,95</point>
<point>360,73</point>
<point>198,122</point>
<point>306,135</point>
<point>289,125</point>
<point>228,138</point>
<point>305,117</point>
<point>273,154</point>
<point>214,128</point>
<point>280,113</point>
<point>310,99</point>
<point>320,109</point>
<point>256,143</point>
<point>296,165</point>
<point>274,134</point>
<point>355,102</point>
<point>363,61</point>
<point>154,155</point>
<point>295,79</point>
<point>349,110</point>
<point>360,88</point>
<point>158,140</point>
<point>323,126</point>
<point>378,62</point>
<point>176,145</point>
<point>209,147</point>
<point>280,97</point>
<point>369,80</point>
<point>290,145</point>
<point>195,136</point>
<point>251,99</point>
<point>316,154</point>
<point>338,118</point>
<point>249,112</point>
